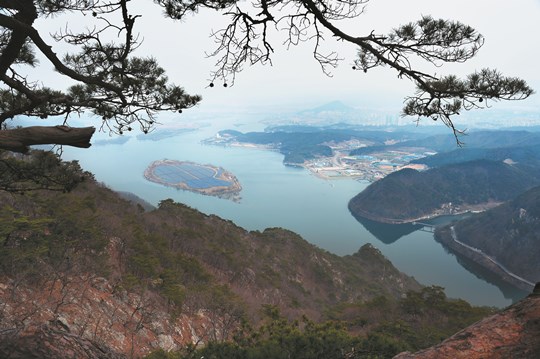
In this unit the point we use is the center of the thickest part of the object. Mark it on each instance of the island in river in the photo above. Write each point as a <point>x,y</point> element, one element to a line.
<point>204,179</point>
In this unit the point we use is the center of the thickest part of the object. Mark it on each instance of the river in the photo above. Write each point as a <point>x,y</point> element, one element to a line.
<point>275,195</point>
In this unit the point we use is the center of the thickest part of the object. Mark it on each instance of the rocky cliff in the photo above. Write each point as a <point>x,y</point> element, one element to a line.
<point>68,316</point>
<point>512,333</point>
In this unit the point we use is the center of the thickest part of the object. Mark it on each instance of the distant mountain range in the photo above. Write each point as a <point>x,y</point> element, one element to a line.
<point>478,139</point>
<point>334,106</point>
<point>338,112</point>
<point>526,155</point>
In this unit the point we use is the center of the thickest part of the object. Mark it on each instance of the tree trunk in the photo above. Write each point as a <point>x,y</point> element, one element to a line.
<point>18,139</point>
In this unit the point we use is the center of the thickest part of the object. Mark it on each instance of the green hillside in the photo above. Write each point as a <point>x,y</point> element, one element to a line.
<point>406,195</point>
<point>510,233</point>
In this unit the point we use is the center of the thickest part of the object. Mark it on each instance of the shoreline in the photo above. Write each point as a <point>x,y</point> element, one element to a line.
<point>477,208</point>
<point>448,238</point>
<point>336,165</point>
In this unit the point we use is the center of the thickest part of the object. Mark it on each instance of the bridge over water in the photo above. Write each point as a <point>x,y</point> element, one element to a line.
<point>426,227</point>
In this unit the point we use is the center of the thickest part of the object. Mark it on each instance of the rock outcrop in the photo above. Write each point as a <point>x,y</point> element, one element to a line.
<point>50,341</point>
<point>86,317</point>
<point>512,333</point>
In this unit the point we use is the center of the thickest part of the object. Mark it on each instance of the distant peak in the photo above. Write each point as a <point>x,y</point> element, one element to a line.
<point>334,106</point>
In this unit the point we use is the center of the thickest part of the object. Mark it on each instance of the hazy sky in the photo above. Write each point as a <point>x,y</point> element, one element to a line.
<point>511,30</point>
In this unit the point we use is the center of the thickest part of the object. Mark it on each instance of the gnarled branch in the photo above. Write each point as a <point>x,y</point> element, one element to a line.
<point>18,139</point>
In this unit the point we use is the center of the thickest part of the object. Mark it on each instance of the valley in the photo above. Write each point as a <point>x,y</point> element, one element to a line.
<point>205,247</point>
<point>141,282</point>
<point>218,179</point>
<point>275,195</point>
<point>495,167</point>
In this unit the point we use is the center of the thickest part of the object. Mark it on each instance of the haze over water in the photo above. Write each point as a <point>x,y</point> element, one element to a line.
<point>274,195</point>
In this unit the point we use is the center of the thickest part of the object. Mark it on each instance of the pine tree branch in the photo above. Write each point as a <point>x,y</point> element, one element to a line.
<point>33,34</point>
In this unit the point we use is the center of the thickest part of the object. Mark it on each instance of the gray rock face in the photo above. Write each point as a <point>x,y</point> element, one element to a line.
<point>512,333</point>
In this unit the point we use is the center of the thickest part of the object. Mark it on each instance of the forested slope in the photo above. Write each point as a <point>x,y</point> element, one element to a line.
<point>510,233</point>
<point>107,270</point>
<point>407,195</point>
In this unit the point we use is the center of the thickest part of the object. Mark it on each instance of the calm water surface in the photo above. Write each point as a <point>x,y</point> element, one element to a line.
<point>274,195</point>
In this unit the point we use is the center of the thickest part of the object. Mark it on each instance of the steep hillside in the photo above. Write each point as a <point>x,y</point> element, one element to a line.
<point>264,267</point>
<point>509,233</point>
<point>380,328</point>
<point>512,333</point>
<point>408,195</point>
<point>96,268</point>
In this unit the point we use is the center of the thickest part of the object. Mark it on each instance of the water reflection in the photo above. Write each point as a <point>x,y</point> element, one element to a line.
<point>388,233</point>
<point>508,290</point>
